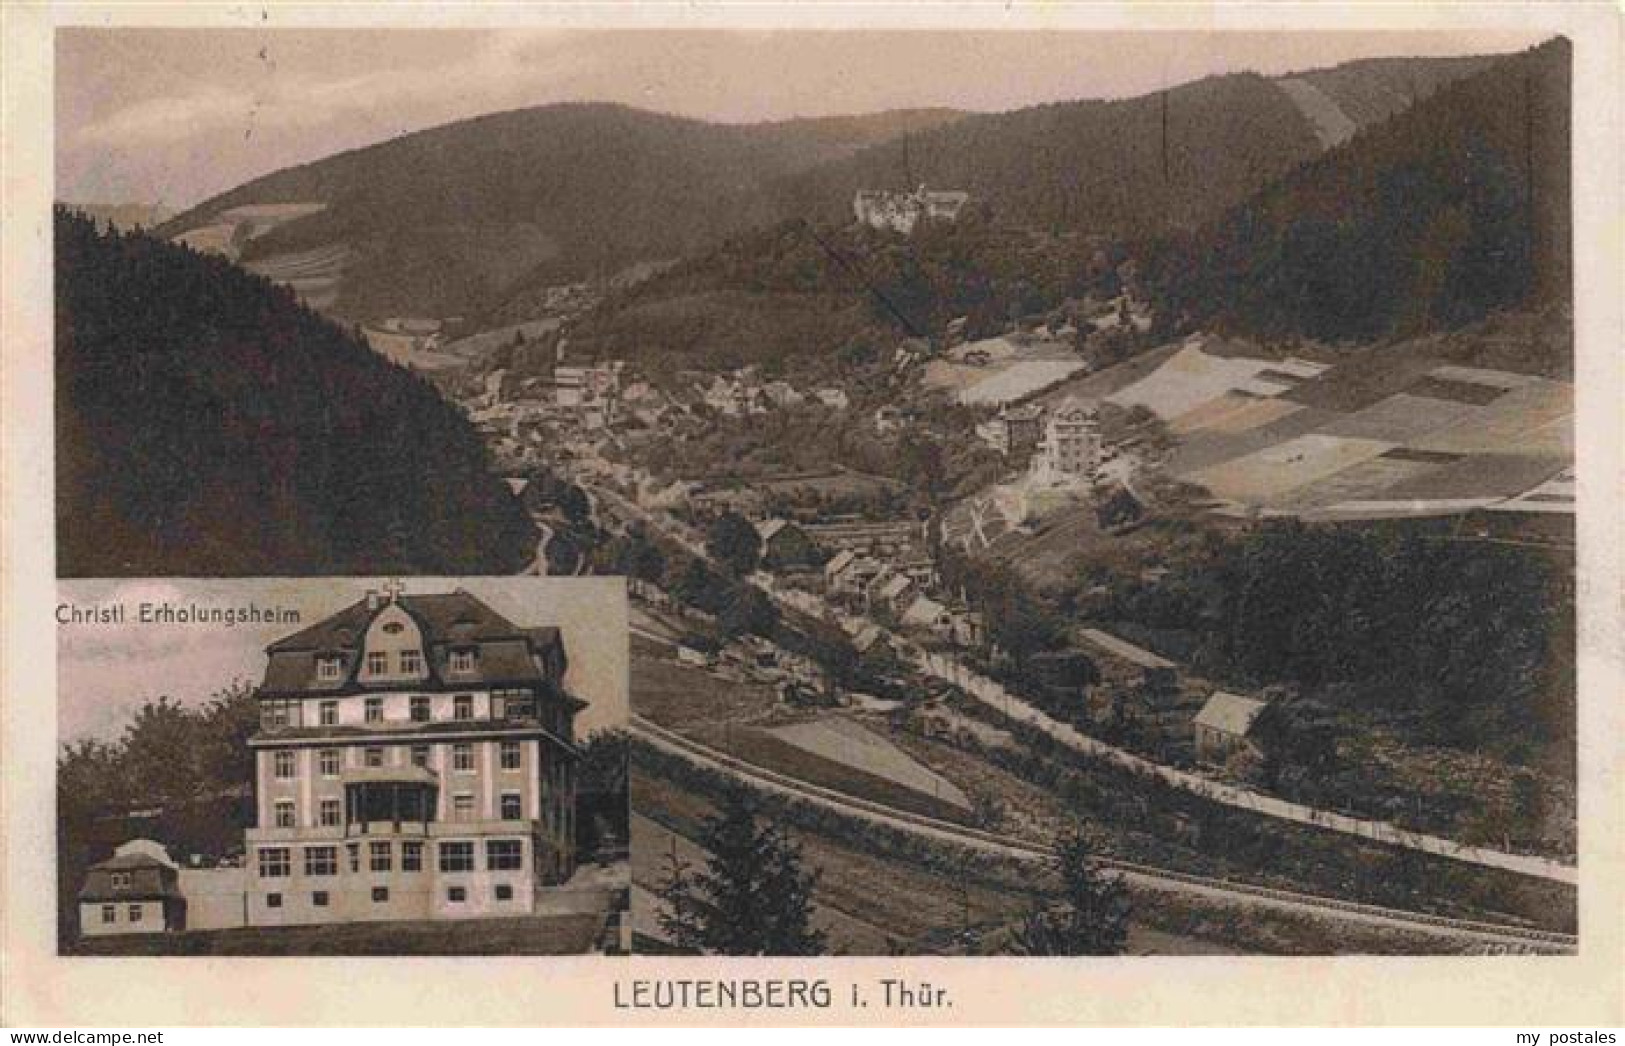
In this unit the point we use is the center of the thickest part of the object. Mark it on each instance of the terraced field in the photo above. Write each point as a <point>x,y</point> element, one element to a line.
<point>1408,436</point>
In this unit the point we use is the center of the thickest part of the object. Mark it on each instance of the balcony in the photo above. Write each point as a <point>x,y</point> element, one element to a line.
<point>389,800</point>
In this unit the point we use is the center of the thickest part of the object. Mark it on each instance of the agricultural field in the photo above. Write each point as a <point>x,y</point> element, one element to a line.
<point>233,228</point>
<point>683,698</point>
<point>1012,371</point>
<point>314,274</point>
<point>1373,438</point>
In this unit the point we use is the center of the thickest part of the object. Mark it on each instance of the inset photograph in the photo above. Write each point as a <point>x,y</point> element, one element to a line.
<point>342,766</point>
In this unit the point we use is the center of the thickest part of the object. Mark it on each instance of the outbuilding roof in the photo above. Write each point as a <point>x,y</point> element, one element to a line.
<point>1230,713</point>
<point>1123,649</point>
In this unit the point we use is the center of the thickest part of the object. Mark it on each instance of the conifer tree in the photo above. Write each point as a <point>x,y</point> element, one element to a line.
<point>1092,916</point>
<point>752,898</point>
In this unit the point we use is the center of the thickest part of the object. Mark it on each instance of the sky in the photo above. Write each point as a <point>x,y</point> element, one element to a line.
<point>106,672</point>
<point>173,116</point>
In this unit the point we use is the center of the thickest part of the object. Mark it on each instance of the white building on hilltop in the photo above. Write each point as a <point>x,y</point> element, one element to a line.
<point>1070,451</point>
<point>902,211</point>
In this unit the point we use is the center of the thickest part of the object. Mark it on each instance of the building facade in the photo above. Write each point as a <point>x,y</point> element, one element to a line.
<point>1071,449</point>
<point>416,760</point>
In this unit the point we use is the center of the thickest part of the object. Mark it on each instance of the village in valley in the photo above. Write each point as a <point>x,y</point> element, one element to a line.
<point>957,541</point>
<point>846,641</point>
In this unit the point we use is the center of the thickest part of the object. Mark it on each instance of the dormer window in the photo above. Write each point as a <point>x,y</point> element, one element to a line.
<point>411,662</point>
<point>329,669</point>
<point>377,663</point>
<point>462,660</point>
<point>121,880</point>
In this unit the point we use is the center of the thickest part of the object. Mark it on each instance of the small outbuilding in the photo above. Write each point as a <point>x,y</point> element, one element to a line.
<point>137,890</point>
<point>1224,726</point>
<point>785,546</point>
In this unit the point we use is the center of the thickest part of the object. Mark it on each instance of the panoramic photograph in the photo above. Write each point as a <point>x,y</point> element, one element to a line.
<point>1121,502</point>
<point>337,767</point>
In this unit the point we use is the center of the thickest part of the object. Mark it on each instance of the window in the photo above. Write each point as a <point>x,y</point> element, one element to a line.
<point>273,900</point>
<point>510,755</point>
<point>319,898</point>
<point>412,857</point>
<point>394,628</point>
<point>411,662</point>
<point>328,713</point>
<point>462,758</point>
<point>328,762</point>
<point>420,710</point>
<point>381,858</point>
<point>135,913</point>
<point>462,706</point>
<point>284,813</point>
<point>380,894</point>
<point>456,857</point>
<point>275,862</point>
<point>332,813</point>
<point>321,860</point>
<point>373,757</point>
<point>504,892</point>
<point>121,880</point>
<point>355,856</point>
<point>462,660</point>
<point>377,663</point>
<point>375,710</point>
<point>109,913</point>
<point>329,669</point>
<point>274,714</point>
<point>504,855</point>
<point>456,894</point>
<point>462,806</point>
<point>510,806</point>
<point>284,765</point>
<point>420,755</point>
<point>517,704</point>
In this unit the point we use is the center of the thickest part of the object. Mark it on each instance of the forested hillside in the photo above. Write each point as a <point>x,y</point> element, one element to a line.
<point>208,425</point>
<point>1457,207</point>
<point>444,221</point>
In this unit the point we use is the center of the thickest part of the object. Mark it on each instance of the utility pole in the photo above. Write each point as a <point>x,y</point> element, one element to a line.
<point>1165,137</point>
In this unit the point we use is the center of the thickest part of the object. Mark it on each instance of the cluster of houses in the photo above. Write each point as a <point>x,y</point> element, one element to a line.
<point>1130,674</point>
<point>798,679</point>
<point>742,393</point>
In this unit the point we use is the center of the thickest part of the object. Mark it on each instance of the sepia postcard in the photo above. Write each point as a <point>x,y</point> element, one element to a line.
<point>931,515</point>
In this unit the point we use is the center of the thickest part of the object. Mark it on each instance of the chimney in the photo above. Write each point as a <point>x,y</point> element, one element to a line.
<point>373,599</point>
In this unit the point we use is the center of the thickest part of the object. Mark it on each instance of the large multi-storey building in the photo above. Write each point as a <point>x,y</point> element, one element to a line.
<point>416,760</point>
<point>1071,447</point>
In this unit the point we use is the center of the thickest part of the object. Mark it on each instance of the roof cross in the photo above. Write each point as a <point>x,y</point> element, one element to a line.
<point>393,588</point>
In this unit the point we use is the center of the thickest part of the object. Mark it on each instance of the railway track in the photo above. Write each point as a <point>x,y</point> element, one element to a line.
<point>1149,875</point>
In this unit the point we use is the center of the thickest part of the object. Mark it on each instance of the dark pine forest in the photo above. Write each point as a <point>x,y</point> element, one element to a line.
<point>209,424</point>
